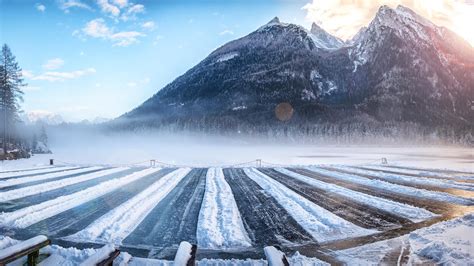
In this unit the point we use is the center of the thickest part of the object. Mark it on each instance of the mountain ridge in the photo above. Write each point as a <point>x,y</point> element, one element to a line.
<point>401,68</point>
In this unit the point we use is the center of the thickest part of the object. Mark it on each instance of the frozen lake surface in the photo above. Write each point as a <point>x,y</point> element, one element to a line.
<point>229,212</point>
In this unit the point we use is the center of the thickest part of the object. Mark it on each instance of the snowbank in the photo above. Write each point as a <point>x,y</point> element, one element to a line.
<point>447,243</point>
<point>220,225</point>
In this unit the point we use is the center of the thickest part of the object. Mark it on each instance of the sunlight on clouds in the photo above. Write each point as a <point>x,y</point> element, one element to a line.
<point>344,18</point>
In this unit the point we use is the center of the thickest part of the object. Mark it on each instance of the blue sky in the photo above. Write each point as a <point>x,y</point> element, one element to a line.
<point>86,59</point>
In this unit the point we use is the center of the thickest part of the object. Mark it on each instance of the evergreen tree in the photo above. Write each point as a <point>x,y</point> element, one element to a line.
<point>11,95</point>
<point>43,137</point>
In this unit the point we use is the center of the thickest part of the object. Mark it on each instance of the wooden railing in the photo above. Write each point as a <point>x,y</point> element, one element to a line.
<point>28,248</point>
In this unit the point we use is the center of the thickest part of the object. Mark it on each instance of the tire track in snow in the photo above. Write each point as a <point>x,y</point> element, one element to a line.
<point>265,220</point>
<point>32,172</point>
<point>220,225</point>
<point>174,219</point>
<point>13,205</point>
<point>361,214</point>
<point>322,224</point>
<point>38,179</point>
<point>437,207</point>
<point>47,186</point>
<point>30,215</point>
<point>119,222</point>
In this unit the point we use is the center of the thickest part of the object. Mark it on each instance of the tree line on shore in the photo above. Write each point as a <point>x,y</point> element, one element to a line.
<point>17,140</point>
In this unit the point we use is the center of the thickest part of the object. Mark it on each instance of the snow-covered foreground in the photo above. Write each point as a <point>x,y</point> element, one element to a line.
<point>234,211</point>
<point>447,243</point>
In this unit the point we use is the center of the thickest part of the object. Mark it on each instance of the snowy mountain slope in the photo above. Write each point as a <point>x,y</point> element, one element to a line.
<point>401,68</point>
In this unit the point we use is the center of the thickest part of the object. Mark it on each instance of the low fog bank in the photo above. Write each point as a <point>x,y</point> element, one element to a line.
<point>90,145</point>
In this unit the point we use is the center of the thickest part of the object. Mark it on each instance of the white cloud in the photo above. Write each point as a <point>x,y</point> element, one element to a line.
<point>344,18</point>
<point>98,29</point>
<point>121,3</point>
<point>149,25</point>
<point>132,12</point>
<point>54,63</point>
<point>136,9</point>
<point>226,32</point>
<point>63,76</point>
<point>108,8</point>
<point>125,38</point>
<point>40,7</point>
<point>65,5</point>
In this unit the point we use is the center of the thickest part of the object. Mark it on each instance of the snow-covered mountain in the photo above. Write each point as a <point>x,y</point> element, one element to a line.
<point>42,116</point>
<point>401,68</point>
<point>323,39</point>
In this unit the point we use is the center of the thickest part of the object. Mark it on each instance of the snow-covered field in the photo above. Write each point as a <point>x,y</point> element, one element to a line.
<point>236,212</point>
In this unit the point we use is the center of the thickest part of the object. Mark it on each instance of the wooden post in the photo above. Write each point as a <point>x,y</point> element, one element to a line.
<point>152,163</point>
<point>384,161</point>
<point>259,162</point>
<point>110,260</point>
<point>51,161</point>
<point>33,258</point>
<point>185,255</point>
<point>275,257</point>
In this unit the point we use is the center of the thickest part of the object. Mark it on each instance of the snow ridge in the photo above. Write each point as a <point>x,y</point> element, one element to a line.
<point>220,224</point>
<point>415,180</point>
<point>118,223</point>
<point>48,186</point>
<point>378,184</point>
<point>415,214</point>
<point>32,214</point>
<point>322,224</point>
<point>22,180</point>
